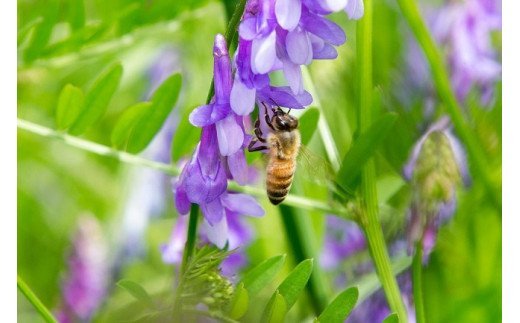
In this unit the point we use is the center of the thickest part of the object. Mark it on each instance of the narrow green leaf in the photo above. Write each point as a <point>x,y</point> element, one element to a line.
<point>258,277</point>
<point>97,99</point>
<point>42,31</point>
<point>362,150</point>
<point>275,310</point>
<point>308,123</point>
<point>70,103</point>
<point>339,309</point>
<point>239,303</point>
<point>35,301</point>
<point>293,285</point>
<point>392,318</point>
<point>136,290</point>
<point>127,122</point>
<point>163,101</point>
<point>76,14</point>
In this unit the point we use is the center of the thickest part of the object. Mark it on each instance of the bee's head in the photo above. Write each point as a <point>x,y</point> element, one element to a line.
<point>284,122</point>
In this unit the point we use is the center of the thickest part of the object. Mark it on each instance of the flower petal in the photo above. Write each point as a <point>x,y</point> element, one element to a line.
<point>242,204</point>
<point>332,5</point>
<point>288,13</point>
<point>323,28</point>
<point>238,167</point>
<point>283,96</point>
<point>221,70</point>
<point>208,114</point>
<point>182,203</point>
<point>230,136</point>
<point>247,28</point>
<point>242,99</point>
<point>171,252</point>
<point>299,47</point>
<point>355,9</point>
<point>213,211</point>
<point>217,233</point>
<point>293,75</point>
<point>263,54</point>
<point>326,52</point>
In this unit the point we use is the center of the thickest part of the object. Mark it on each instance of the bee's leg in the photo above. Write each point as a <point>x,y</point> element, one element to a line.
<point>251,147</point>
<point>258,131</point>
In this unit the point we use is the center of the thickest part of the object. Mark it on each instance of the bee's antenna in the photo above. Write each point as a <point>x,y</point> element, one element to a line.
<point>289,111</point>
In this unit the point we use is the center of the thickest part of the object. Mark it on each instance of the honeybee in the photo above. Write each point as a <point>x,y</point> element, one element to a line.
<point>283,144</point>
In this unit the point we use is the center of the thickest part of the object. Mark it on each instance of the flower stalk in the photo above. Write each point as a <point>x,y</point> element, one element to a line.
<point>368,216</point>
<point>445,92</point>
<point>417,283</point>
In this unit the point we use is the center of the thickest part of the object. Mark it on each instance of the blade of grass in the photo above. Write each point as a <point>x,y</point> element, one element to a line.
<point>35,301</point>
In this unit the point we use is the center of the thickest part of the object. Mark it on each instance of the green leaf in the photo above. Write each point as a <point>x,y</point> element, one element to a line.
<point>392,318</point>
<point>293,285</point>
<point>163,101</point>
<point>136,290</point>
<point>42,31</point>
<point>97,99</point>
<point>239,303</point>
<point>261,275</point>
<point>308,123</point>
<point>76,14</point>
<point>127,122</point>
<point>70,103</point>
<point>339,309</point>
<point>362,150</point>
<point>275,310</point>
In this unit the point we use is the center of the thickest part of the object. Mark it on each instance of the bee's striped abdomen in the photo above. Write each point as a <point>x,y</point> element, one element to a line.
<point>279,179</point>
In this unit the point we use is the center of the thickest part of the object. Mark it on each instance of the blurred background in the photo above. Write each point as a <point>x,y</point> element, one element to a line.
<point>73,202</point>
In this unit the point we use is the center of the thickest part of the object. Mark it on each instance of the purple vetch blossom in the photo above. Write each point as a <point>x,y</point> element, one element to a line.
<point>343,239</point>
<point>218,157</point>
<point>85,285</point>
<point>435,168</point>
<point>232,230</point>
<point>283,35</point>
<point>375,307</point>
<point>465,29</point>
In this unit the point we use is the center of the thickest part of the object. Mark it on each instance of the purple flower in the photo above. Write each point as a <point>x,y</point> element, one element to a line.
<point>230,230</point>
<point>435,168</point>
<point>343,239</point>
<point>86,284</point>
<point>464,29</point>
<point>218,157</point>
<point>375,308</point>
<point>283,35</point>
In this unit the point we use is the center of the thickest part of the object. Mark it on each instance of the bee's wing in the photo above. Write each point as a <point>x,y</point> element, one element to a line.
<point>319,171</point>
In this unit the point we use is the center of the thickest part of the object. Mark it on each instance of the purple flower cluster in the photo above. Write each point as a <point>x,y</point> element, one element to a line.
<point>218,157</point>
<point>283,35</point>
<point>343,240</point>
<point>436,166</point>
<point>86,284</point>
<point>233,230</point>
<point>465,29</point>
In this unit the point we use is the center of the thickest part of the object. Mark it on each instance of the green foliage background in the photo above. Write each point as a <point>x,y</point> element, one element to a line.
<point>62,42</point>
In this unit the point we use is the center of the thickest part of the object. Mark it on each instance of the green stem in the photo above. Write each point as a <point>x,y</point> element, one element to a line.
<point>35,301</point>
<point>189,247</point>
<point>445,92</point>
<point>417,284</point>
<point>89,146</point>
<point>369,217</point>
